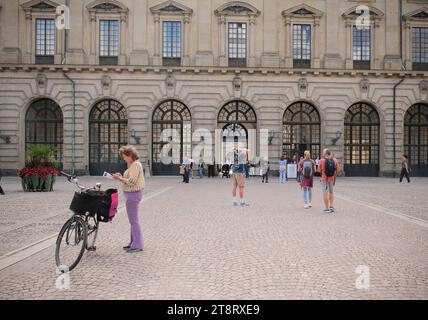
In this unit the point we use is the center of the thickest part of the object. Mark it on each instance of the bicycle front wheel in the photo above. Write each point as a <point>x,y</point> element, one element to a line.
<point>71,243</point>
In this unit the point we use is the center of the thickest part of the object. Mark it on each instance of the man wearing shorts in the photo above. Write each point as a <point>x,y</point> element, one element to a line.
<point>328,168</point>
<point>238,175</point>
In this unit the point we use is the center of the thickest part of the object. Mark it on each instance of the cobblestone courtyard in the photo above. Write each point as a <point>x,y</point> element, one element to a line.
<point>198,246</point>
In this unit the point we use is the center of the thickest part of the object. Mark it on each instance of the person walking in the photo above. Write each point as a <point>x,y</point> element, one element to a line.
<point>1,189</point>
<point>191,161</point>
<point>329,167</point>
<point>247,169</point>
<point>211,169</point>
<point>133,185</point>
<point>405,168</point>
<point>317,163</point>
<point>201,168</point>
<point>307,170</point>
<point>238,179</point>
<point>282,170</point>
<point>187,170</point>
<point>265,171</point>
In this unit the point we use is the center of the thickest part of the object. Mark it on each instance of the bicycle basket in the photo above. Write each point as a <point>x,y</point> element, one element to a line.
<point>94,203</point>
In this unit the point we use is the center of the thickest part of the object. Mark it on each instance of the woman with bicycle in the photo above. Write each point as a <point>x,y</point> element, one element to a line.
<point>133,185</point>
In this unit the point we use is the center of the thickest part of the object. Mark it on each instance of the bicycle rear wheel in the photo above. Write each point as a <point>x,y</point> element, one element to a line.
<point>71,243</point>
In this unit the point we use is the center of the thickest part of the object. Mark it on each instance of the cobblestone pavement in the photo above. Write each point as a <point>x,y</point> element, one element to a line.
<point>198,246</point>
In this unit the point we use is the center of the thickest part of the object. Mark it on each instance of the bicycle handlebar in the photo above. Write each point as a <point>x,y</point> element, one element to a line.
<point>73,179</point>
<point>68,176</point>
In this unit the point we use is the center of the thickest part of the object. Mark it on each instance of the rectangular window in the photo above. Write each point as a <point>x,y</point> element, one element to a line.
<point>171,43</point>
<point>301,46</point>
<point>109,41</point>
<point>237,44</point>
<point>361,47</point>
<point>420,48</point>
<point>45,41</point>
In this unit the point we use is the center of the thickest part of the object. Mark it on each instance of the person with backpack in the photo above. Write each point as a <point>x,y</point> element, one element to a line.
<point>133,185</point>
<point>405,168</point>
<point>328,168</point>
<point>307,169</point>
<point>282,170</point>
<point>265,169</point>
<point>239,157</point>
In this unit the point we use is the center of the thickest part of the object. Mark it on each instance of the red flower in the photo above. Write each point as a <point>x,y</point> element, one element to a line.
<point>41,172</point>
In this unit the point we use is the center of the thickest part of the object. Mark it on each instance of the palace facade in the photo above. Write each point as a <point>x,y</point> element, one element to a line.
<point>314,73</point>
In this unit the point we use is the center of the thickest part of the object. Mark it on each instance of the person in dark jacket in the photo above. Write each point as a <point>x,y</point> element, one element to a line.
<point>1,189</point>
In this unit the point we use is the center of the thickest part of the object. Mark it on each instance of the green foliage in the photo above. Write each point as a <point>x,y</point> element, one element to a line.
<point>39,155</point>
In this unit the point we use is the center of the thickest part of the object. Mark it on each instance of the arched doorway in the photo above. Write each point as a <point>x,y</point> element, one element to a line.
<point>44,125</point>
<point>416,138</point>
<point>235,119</point>
<point>301,130</point>
<point>171,116</point>
<point>108,131</point>
<point>362,135</point>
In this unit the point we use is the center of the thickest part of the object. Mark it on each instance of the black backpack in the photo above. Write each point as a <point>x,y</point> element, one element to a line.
<point>330,167</point>
<point>307,169</point>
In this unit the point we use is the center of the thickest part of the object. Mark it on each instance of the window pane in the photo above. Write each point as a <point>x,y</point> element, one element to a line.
<point>109,38</point>
<point>172,39</point>
<point>420,45</point>
<point>237,40</point>
<point>301,42</point>
<point>45,37</point>
<point>361,49</point>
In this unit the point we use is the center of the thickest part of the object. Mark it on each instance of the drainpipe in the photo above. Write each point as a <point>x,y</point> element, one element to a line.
<point>73,136</point>
<point>394,139</point>
<point>73,91</point>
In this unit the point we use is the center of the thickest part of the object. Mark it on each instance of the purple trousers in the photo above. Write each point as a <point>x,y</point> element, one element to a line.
<point>133,199</point>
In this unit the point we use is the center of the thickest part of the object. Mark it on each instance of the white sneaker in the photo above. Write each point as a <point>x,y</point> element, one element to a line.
<point>306,206</point>
<point>310,205</point>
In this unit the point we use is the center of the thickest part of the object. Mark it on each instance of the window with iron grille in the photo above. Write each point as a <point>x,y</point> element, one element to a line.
<point>171,43</point>
<point>301,130</point>
<point>362,135</point>
<point>45,41</point>
<point>301,46</point>
<point>237,44</point>
<point>109,41</point>
<point>420,48</point>
<point>44,125</point>
<point>361,47</point>
<point>416,134</point>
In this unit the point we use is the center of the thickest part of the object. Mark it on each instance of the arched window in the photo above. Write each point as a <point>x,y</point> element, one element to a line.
<point>301,130</point>
<point>235,119</point>
<point>44,125</point>
<point>416,138</point>
<point>108,131</point>
<point>362,130</point>
<point>173,116</point>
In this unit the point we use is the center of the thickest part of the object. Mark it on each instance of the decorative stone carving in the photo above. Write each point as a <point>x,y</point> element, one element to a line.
<point>170,81</point>
<point>237,83</point>
<point>303,84</point>
<point>364,85</point>
<point>423,87</point>
<point>171,7</point>
<point>41,80</point>
<point>106,82</point>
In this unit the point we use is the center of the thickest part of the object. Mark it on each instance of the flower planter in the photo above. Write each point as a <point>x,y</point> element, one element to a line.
<point>38,179</point>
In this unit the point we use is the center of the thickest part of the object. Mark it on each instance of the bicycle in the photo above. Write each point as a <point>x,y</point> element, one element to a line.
<point>81,230</point>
